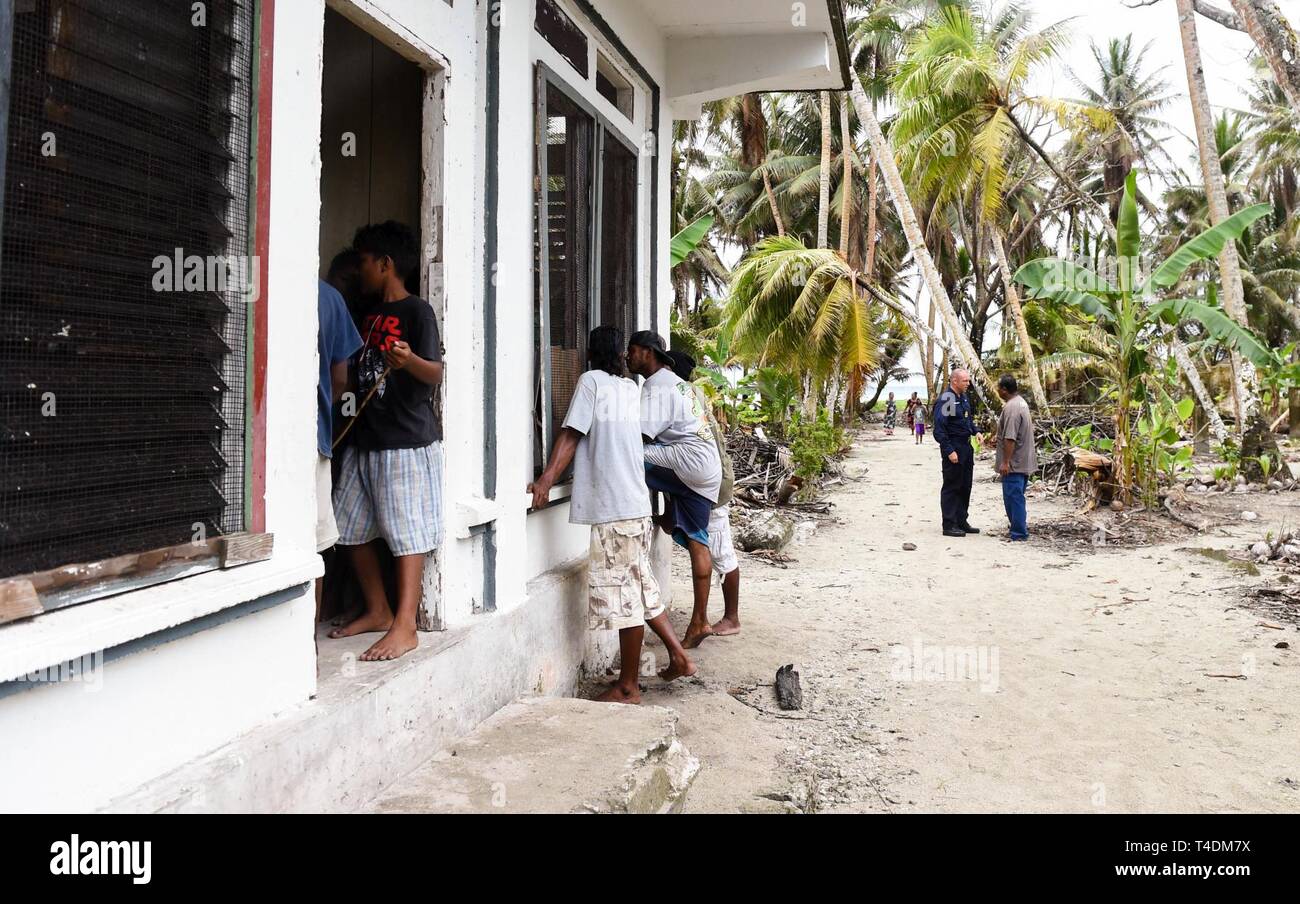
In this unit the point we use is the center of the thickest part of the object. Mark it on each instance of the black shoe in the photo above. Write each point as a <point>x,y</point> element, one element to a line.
<point>970,530</point>
<point>953,532</point>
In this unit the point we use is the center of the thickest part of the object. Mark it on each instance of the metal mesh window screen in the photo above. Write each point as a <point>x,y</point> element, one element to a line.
<point>122,374</point>
<point>618,288</point>
<point>569,141</point>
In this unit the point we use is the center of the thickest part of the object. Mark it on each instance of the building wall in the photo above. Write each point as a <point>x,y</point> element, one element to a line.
<point>169,693</point>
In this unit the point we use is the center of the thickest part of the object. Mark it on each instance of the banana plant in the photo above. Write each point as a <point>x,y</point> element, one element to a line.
<point>1139,313</point>
<point>684,242</point>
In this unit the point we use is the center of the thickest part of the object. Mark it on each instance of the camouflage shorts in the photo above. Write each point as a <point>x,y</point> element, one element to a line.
<point>621,581</point>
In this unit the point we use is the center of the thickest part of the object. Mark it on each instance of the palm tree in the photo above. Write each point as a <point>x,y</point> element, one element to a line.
<point>958,90</point>
<point>1133,101</point>
<point>1277,42</point>
<point>1244,395</point>
<point>884,155</point>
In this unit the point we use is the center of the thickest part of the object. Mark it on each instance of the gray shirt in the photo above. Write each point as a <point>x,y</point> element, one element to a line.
<point>1016,423</point>
<point>608,473</point>
<point>673,419</point>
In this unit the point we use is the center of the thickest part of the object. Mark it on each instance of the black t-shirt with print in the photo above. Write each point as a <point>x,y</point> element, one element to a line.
<point>401,414</point>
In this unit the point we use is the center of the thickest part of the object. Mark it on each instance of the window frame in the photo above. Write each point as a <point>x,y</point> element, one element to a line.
<point>34,593</point>
<point>545,77</point>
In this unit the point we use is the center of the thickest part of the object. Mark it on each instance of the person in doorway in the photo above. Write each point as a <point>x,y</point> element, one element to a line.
<point>1017,457</point>
<point>681,461</point>
<point>722,549</point>
<point>336,342</point>
<point>953,428</point>
<point>390,483</point>
<point>344,275</point>
<point>891,415</point>
<point>601,437</point>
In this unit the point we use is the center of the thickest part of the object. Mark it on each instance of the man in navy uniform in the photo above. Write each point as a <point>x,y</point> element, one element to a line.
<point>953,429</point>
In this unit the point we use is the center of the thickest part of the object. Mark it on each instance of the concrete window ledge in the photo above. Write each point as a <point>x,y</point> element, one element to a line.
<point>372,721</point>
<point>65,634</point>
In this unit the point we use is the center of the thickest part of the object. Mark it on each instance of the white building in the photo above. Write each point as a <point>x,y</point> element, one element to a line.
<point>179,419</point>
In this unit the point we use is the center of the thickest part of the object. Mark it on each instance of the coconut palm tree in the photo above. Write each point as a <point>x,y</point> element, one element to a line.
<point>1244,390</point>
<point>1133,100</point>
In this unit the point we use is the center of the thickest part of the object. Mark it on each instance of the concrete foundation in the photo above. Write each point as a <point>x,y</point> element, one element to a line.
<point>373,722</point>
<point>555,756</point>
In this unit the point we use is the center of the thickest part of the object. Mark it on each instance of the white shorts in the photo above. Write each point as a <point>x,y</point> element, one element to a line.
<point>721,549</point>
<point>327,529</point>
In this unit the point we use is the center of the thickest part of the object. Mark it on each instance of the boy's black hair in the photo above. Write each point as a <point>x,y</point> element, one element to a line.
<point>389,239</point>
<point>683,365</point>
<point>1008,382</point>
<point>347,259</point>
<point>605,350</point>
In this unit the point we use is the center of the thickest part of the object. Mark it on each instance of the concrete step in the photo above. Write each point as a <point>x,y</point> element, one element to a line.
<point>554,755</point>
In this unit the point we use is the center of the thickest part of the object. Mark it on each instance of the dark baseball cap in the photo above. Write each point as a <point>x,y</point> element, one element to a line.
<point>653,341</point>
<point>683,364</point>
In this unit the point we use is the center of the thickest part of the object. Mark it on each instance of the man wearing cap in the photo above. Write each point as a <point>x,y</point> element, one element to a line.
<point>722,549</point>
<point>681,461</point>
<point>601,438</point>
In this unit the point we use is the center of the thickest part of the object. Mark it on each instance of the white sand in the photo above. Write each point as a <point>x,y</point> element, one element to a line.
<point>1062,707</point>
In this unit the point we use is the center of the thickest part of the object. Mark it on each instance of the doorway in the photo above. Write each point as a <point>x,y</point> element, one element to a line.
<point>381,159</point>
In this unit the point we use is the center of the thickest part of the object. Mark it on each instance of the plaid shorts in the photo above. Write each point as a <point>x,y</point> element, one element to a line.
<point>620,578</point>
<point>395,494</point>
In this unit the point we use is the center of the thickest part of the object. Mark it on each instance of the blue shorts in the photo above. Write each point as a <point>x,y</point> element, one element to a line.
<point>690,509</point>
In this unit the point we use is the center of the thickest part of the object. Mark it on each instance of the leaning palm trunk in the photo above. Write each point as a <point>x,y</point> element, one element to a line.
<point>884,158</point>
<point>1013,302</point>
<point>846,151</point>
<point>771,200</point>
<point>1244,396</point>
<point>1198,388</point>
<point>1277,43</point>
<point>824,176</point>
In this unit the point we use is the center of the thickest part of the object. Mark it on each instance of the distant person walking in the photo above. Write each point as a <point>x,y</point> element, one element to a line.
<point>953,428</point>
<point>910,410</point>
<point>1016,456</point>
<point>918,422</point>
<point>891,415</point>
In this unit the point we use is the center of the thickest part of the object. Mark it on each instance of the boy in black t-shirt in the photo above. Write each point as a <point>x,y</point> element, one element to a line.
<point>390,485</point>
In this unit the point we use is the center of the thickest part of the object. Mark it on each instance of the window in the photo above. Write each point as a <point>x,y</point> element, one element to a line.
<point>125,300</point>
<point>563,34</point>
<point>614,86</point>
<point>585,238</point>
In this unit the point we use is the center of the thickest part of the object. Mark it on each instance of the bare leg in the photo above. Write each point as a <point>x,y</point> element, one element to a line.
<point>701,575</point>
<point>401,637</point>
<point>626,689</point>
<point>680,664</point>
<point>730,622</point>
<point>377,615</point>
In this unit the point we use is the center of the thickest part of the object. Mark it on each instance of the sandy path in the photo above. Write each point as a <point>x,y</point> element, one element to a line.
<point>1037,677</point>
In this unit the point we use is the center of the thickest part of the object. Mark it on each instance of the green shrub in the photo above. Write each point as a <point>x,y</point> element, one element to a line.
<point>812,443</point>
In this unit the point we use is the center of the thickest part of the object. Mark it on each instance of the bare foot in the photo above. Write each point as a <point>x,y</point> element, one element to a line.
<point>363,624</point>
<point>397,642</point>
<point>695,636</point>
<point>619,694</point>
<point>725,627</point>
<point>349,616</point>
<point>683,668</point>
